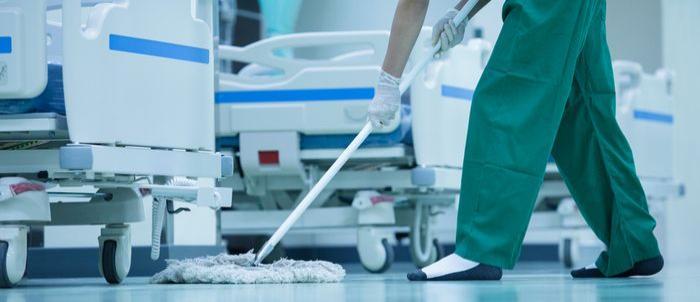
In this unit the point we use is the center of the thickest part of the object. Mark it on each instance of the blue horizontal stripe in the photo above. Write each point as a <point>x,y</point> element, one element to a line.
<point>457,92</point>
<point>653,116</point>
<point>158,49</point>
<point>5,44</point>
<point>299,95</point>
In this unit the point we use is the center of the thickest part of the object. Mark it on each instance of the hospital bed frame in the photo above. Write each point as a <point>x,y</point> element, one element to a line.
<point>113,136</point>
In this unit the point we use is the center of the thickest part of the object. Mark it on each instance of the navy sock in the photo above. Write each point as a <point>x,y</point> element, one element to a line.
<point>480,272</point>
<point>646,267</point>
<point>585,273</point>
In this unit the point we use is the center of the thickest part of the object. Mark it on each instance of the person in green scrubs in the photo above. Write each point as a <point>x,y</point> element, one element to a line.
<point>547,89</point>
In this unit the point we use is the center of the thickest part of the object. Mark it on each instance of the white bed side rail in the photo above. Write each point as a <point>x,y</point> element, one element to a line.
<point>312,95</point>
<point>372,43</point>
<point>140,71</point>
<point>645,115</point>
<point>441,102</point>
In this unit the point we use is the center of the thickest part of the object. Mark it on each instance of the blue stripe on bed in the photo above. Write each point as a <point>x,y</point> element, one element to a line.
<point>158,49</point>
<point>5,44</point>
<point>457,92</point>
<point>296,95</point>
<point>327,94</point>
<point>653,116</point>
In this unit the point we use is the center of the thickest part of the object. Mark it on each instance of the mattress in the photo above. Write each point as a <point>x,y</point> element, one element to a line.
<point>51,100</point>
<point>402,135</point>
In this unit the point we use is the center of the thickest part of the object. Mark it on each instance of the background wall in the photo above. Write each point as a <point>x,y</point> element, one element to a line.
<point>634,31</point>
<point>634,26</point>
<point>681,49</point>
<point>375,15</point>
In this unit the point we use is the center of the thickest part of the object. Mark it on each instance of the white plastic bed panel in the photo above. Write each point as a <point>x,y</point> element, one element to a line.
<point>645,114</point>
<point>22,48</point>
<point>440,102</point>
<point>311,96</point>
<point>139,70</point>
<point>344,114</point>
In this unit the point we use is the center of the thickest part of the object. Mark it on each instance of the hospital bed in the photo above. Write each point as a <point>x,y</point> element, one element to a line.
<point>286,119</point>
<point>131,114</point>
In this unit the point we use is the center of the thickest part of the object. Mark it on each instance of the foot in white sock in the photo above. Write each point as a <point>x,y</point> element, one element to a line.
<point>454,267</point>
<point>450,264</point>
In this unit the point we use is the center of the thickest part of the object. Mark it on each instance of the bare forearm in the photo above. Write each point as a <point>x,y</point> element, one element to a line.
<point>405,28</point>
<point>479,5</point>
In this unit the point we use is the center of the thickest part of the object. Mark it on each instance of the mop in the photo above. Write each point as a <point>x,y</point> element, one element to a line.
<point>239,269</point>
<point>248,268</point>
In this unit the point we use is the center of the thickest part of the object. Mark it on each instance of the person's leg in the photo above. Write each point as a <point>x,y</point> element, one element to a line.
<point>515,115</point>
<point>596,162</point>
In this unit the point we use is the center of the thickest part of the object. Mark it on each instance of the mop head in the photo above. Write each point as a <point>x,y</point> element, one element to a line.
<point>239,269</point>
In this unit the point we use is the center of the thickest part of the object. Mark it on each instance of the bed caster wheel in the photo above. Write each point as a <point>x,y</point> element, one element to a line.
<point>437,252</point>
<point>568,252</point>
<point>425,248</point>
<point>115,253</point>
<point>13,255</point>
<point>376,254</point>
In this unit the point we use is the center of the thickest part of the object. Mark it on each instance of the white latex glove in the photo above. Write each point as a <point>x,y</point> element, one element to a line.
<point>447,33</point>
<point>386,102</point>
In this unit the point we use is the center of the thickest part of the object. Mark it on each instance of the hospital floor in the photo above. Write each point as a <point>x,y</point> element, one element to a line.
<point>528,282</point>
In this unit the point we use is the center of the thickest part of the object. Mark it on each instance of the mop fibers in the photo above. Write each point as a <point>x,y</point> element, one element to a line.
<point>239,269</point>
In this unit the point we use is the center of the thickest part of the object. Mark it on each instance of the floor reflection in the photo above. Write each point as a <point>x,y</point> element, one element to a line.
<point>522,285</point>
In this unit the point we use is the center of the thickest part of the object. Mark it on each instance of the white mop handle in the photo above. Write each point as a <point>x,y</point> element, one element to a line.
<point>321,184</point>
<point>356,142</point>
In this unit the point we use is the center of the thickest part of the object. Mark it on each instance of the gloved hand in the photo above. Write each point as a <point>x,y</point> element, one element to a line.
<point>447,33</point>
<point>386,102</point>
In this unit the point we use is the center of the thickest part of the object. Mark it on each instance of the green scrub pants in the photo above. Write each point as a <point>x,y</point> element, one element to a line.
<point>549,89</point>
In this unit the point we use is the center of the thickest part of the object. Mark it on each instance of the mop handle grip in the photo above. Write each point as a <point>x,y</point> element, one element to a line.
<point>347,153</point>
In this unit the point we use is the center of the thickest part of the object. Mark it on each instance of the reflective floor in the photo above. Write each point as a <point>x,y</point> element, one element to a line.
<point>529,282</point>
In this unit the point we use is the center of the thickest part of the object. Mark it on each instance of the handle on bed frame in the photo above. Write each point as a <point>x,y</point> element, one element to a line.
<point>262,52</point>
<point>347,153</point>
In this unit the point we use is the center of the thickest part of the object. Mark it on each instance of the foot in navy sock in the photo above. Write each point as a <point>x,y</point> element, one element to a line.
<point>456,268</point>
<point>642,268</point>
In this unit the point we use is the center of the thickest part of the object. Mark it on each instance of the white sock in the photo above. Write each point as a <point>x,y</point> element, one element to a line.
<point>591,266</point>
<point>450,264</point>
